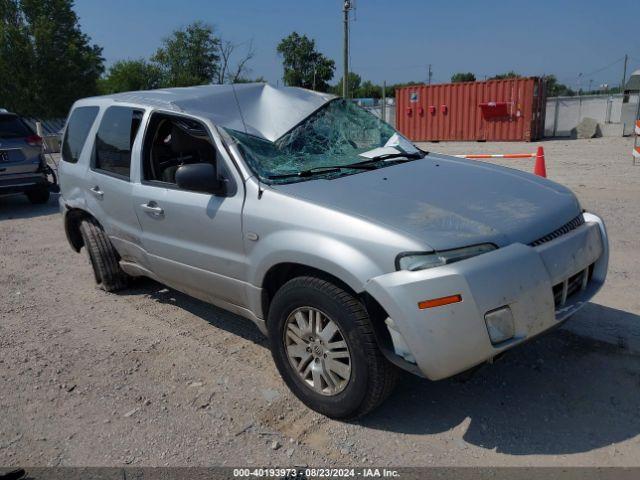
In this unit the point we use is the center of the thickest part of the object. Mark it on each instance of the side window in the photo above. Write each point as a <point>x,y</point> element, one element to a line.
<point>171,142</point>
<point>114,140</point>
<point>75,136</point>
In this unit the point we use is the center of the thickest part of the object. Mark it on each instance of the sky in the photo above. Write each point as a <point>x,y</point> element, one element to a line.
<point>395,40</point>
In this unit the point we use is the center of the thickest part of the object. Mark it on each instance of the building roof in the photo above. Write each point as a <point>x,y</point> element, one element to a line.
<point>254,108</point>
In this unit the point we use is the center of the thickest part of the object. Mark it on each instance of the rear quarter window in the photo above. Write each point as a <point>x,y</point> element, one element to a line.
<point>114,140</point>
<point>11,126</point>
<point>78,126</point>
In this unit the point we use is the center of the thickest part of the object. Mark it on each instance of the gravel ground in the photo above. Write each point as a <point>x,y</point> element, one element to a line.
<point>152,377</point>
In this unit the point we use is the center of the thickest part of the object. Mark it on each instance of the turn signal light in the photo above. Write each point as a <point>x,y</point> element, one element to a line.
<point>439,302</point>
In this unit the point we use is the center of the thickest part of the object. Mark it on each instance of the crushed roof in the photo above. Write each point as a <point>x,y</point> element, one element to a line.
<point>254,108</point>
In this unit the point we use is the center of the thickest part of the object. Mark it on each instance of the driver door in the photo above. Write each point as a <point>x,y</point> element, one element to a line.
<point>193,239</point>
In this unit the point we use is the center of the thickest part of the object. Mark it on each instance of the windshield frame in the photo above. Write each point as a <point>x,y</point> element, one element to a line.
<point>331,173</point>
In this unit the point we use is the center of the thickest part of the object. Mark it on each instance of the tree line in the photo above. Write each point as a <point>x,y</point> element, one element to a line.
<point>47,62</point>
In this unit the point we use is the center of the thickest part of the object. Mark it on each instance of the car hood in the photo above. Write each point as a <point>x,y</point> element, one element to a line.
<point>448,202</point>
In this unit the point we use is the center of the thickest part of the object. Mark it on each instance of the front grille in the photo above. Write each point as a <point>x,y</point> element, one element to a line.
<point>566,228</point>
<point>565,290</point>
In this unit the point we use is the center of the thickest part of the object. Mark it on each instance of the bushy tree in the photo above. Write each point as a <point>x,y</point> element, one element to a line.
<point>555,89</point>
<point>189,56</point>
<point>503,76</point>
<point>353,83</point>
<point>250,80</point>
<point>303,65</point>
<point>16,59</point>
<point>369,90</point>
<point>463,77</point>
<point>128,75</point>
<point>46,62</point>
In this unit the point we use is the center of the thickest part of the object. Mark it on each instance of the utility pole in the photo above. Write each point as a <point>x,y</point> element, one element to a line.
<point>429,75</point>
<point>345,53</point>
<point>624,73</point>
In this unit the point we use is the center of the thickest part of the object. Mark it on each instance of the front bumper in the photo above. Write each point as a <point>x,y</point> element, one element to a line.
<point>450,339</point>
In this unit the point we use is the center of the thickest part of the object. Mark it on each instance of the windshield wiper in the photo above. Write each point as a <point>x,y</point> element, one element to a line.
<point>368,164</point>
<point>400,155</point>
<point>322,170</point>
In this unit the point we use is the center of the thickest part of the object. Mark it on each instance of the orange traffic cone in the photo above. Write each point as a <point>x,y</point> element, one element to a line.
<point>540,169</point>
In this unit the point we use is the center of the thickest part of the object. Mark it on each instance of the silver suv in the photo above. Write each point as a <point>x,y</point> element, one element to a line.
<point>354,251</point>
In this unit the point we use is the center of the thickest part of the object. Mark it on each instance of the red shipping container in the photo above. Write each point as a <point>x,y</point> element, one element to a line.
<point>512,109</point>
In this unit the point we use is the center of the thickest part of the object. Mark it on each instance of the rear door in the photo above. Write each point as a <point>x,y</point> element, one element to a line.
<point>109,187</point>
<point>20,147</point>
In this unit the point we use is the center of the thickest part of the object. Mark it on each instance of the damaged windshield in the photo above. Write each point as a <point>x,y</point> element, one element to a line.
<point>329,142</point>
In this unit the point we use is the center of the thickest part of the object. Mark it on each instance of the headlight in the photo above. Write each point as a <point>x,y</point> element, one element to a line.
<point>420,261</point>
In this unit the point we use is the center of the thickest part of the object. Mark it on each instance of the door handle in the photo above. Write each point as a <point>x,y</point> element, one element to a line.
<point>152,208</point>
<point>97,192</point>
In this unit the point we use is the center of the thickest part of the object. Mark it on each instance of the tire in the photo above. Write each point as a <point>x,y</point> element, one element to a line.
<point>371,378</point>
<point>104,258</point>
<point>40,195</point>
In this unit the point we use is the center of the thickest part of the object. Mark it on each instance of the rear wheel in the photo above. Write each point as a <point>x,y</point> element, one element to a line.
<point>40,195</point>
<point>103,256</point>
<point>324,347</point>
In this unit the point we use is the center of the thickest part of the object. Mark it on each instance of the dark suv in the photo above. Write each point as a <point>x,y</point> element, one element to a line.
<point>22,165</point>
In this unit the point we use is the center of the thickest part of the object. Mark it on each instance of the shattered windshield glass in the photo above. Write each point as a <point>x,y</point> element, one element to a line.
<point>337,134</point>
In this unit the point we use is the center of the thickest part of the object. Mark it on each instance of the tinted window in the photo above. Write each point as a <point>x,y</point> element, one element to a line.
<point>75,136</point>
<point>12,127</point>
<point>114,140</point>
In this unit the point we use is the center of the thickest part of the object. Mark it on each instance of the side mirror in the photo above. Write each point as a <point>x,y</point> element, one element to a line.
<point>200,177</point>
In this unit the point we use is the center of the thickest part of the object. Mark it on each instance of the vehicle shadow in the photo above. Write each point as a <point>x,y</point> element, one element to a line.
<point>560,393</point>
<point>18,206</point>
<point>215,316</point>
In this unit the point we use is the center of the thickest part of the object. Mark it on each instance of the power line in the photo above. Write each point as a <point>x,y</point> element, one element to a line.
<point>588,75</point>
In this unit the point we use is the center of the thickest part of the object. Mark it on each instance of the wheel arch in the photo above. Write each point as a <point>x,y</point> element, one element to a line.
<point>72,219</point>
<point>281,273</point>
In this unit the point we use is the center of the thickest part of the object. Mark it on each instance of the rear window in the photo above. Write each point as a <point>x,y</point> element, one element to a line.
<point>75,136</point>
<point>11,126</point>
<point>115,138</point>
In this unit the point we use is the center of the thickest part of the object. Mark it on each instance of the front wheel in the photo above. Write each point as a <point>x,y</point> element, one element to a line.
<point>324,347</point>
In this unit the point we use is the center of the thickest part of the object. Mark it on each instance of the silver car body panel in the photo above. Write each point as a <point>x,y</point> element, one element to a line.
<point>220,249</point>
<point>448,202</point>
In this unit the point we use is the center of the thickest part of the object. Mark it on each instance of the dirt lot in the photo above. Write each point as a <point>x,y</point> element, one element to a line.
<point>152,377</point>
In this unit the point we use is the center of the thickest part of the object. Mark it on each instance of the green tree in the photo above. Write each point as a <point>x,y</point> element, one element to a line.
<point>128,75</point>
<point>16,59</point>
<point>303,65</point>
<point>189,56</point>
<point>46,62</point>
<point>250,80</point>
<point>555,89</point>
<point>463,77</point>
<point>503,76</point>
<point>369,90</point>
<point>354,85</point>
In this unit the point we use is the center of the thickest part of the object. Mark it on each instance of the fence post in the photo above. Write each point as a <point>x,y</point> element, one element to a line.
<point>383,111</point>
<point>556,113</point>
